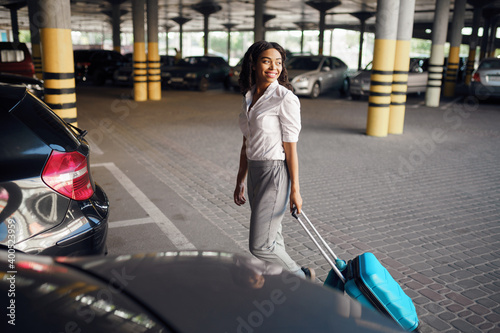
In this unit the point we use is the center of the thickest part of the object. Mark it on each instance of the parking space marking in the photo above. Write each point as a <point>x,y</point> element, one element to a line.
<point>156,216</point>
<point>128,223</point>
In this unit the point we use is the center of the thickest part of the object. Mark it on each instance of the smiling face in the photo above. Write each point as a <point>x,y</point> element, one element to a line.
<point>268,67</point>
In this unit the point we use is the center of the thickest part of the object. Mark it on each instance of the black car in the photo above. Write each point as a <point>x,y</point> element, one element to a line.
<point>199,72</point>
<point>49,203</point>
<point>188,291</point>
<point>97,66</point>
<point>34,85</point>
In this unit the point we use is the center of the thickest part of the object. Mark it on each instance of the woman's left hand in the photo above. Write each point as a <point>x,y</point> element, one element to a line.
<point>295,201</point>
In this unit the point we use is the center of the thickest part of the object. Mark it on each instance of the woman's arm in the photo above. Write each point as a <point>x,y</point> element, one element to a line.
<point>292,161</point>
<point>239,191</point>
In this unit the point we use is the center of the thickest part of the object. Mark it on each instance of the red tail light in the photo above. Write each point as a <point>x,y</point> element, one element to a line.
<point>67,174</point>
<point>476,77</point>
<point>82,64</point>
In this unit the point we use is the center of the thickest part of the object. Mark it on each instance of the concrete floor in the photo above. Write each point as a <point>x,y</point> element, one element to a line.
<point>427,202</point>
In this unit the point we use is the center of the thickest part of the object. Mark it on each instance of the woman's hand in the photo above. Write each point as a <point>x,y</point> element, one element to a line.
<point>239,194</point>
<point>295,201</point>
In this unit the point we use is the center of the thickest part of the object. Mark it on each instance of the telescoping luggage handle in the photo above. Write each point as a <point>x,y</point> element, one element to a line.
<point>313,238</point>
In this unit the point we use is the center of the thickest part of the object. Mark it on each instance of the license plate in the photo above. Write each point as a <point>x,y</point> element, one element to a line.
<point>122,78</point>
<point>495,78</point>
<point>177,79</point>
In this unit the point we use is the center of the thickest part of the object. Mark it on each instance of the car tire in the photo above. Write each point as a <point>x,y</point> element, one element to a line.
<point>344,89</point>
<point>203,85</point>
<point>315,91</point>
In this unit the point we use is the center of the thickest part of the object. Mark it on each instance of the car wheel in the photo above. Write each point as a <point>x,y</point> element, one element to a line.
<point>203,85</point>
<point>344,90</point>
<point>316,90</point>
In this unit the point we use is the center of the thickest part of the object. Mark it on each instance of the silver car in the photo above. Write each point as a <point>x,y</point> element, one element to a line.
<point>486,79</point>
<point>313,75</point>
<point>417,79</point>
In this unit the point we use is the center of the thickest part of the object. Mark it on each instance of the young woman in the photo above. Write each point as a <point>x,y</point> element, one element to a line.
<point>270,122</point>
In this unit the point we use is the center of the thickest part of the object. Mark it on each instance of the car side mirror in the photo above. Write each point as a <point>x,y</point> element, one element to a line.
<point>325,69</point>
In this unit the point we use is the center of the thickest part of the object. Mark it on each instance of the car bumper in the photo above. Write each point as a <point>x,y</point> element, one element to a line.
<point>484,91</point>
<point>83,232</point>
<point>302,88</point>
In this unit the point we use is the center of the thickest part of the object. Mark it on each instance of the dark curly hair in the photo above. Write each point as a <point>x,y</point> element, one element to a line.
<point>247,74</point>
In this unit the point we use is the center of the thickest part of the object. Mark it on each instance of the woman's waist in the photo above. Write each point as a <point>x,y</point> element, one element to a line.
<point>265,163</point>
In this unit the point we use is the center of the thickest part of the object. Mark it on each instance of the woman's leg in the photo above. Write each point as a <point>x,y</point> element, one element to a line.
<point>268,191</point>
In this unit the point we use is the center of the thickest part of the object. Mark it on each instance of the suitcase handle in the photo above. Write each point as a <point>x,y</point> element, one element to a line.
<point>321,249</point>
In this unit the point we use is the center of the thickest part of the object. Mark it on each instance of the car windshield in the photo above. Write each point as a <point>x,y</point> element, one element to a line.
<point>304,63</point>
<point>490,64</point>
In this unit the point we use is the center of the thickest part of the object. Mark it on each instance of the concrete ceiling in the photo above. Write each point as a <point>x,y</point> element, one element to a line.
<point>94,15</point>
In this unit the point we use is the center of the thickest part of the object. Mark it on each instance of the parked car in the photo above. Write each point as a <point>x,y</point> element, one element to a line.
<point>34,85</point>
<point>15,58</point>
<point>313,75</point>
<point>486,79</point>
<point>199,72</point>
<point>49,203</point>
<point>417,79</point>
<point>97,66</point>
<point>188,291</point>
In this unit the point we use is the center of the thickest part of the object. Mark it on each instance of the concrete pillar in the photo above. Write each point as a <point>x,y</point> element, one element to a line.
<point>258,32</point>
<point>436,61</point>
<point>229,26</point>
<point>382,68</point>
<point>36,52</point>
<point>115,21</point>
<point>401,67</point>
<point>206,8</point>
<point>473,43</point>
<point>57,58</point>
<point>180,20</point>
<point>491,43</point>
<point>13,19</point>
<point>139,57</point>
<point>322,7</point>
<point>486,35</point>
<point>154,71</point>
<point>362,17</point>
<point>454,55</point>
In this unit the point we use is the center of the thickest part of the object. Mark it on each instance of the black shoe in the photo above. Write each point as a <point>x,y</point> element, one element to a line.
<point>309,272</point>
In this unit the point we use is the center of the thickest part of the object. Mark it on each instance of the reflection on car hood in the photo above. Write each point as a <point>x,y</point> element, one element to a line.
<point>202,291</point>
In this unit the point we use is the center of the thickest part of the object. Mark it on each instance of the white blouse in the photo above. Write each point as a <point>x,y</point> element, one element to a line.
<point>274,119</point>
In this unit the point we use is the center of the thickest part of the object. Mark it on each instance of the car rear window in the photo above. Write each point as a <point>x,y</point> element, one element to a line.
<point>11,55</point>
<point>46,124</point>
<point>490,64</point>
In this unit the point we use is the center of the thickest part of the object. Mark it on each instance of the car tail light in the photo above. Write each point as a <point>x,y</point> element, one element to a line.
<point>476,77</point>
<point>82,64</point>
<point>67,174</point>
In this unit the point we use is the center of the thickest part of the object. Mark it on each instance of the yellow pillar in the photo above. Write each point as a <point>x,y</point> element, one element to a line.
<point>399,87</point>
<point>380,89</point>
<point>470,66</point>
<point>140,72</point>
<point>154,72</point>
<point>37,60</point>
<point>452,72</point>
<point>59,72</point>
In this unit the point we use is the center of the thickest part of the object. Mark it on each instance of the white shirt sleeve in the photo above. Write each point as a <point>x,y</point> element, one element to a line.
<point>289,115</point>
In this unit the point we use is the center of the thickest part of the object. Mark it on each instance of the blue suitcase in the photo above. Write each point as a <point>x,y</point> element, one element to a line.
<point>365,279</point>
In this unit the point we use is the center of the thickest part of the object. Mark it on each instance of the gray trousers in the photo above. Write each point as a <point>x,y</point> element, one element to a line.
<point>268,191</point>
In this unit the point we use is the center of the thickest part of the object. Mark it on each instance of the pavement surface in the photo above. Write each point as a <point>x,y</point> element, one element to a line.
<point>426,203</point>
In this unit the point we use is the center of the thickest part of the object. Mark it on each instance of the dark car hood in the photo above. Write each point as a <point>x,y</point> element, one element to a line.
<point>18,79</point>
<point>210,292</point>
<point>186,69</point>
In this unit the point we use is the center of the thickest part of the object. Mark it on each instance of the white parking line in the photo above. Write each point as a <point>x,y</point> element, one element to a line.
<point>128,223</point>
<point>156,216</point>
